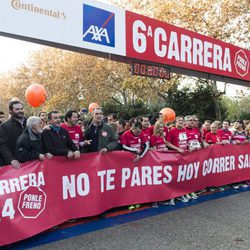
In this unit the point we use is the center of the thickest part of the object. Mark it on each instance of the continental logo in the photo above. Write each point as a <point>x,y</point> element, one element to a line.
<point>18,5</point>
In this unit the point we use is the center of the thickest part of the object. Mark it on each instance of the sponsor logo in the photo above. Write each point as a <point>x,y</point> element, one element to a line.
<point>18,5</point>
<point>241,63</point>
<point>98,26</point>
<point>32,202</point>
<point>104,133</point>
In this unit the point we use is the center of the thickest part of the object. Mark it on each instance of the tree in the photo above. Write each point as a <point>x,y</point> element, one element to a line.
<point>197,101</point>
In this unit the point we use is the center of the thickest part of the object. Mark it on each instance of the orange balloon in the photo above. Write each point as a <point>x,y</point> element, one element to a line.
<point>92,106</point>
<point>35,95</point>
<point>168,115</point>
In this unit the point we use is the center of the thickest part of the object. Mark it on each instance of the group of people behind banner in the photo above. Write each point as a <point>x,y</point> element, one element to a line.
<point>46,135</point>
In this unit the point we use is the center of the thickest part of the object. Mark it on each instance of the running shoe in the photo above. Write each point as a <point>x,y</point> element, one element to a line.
<point>131,207</point>
<point>73,220</point>
<point>182,199</point>
<point>244,185</point>
<point>171,202</point>
<point>193,196</point>
<point>202,191</point>
<point>155,205</point>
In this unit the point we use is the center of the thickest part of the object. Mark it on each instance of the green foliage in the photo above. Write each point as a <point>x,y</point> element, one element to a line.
<point>236,109</point>
<point>132,109</point>
<point>189,102</point>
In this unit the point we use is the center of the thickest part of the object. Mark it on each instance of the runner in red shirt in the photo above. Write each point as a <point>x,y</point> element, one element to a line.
<point>133,141</point>
<point>196,125</point>
<point>146,131</point>
<point>206,128</point>
<point>224,134</point>
<point>177,136</point>
<point>193,135</point>
<point>239,136</point>
<point>159,140</point>
<point>158,117</point>
<point>75,131</point>
<point>212,137</point>
<point>120,131</point>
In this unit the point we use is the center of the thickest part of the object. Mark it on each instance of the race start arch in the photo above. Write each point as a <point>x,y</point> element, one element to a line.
<point>103,30</point>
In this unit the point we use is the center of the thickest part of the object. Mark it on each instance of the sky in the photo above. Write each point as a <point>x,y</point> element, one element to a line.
<point>14,52</point>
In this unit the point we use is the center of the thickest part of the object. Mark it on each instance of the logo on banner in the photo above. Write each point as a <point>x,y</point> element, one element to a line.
<point>98,26</point>
<point>19,5</point>
<point>241,63</point>
<point>32,202</point>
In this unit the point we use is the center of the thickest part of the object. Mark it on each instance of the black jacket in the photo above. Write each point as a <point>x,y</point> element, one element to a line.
<point>10,130</point>
<point>28,146</point>
<point>57,143</point>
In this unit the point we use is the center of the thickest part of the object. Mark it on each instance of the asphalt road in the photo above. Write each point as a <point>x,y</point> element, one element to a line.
<point>217,224</point>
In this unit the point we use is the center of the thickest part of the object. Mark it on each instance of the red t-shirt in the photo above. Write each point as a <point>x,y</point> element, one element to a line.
<point>205,132</point>
<point>158,141</point>
<point>211,138</point>
<point>239,136</point>
<point>165,133</point>
<point>146,133</point>
<point>224,135</point>
<point>178,137</point>
<point>75,133</point>
<point>130,140</point>
<point>194,138</point>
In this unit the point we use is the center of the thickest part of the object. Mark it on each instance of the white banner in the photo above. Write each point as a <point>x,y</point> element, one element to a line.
<point>85,24</point>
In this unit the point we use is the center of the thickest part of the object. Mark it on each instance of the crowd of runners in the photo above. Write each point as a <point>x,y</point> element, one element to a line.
<point>71,134</point>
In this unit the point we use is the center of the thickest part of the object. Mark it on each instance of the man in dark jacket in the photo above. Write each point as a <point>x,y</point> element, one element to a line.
<point>99,136</point>
<point>10,130</point>
<point>2,117</point>
<point>56,139</point>
<point>29,144</point>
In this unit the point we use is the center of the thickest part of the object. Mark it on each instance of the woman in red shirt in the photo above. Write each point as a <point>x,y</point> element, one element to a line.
<point>158,139</point>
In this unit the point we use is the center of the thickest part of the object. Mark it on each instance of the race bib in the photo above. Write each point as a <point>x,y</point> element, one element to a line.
<point>182,136</point>
<point>135,146</point>
<point>194,145</point>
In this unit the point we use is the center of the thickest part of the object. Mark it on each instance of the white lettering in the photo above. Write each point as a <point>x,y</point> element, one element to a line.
<point>173,50</point>
<point>217,57</point>
<point>198,50</point>
<point>160,51</point>
<point>207,54</point>
<point>186,46</point>
<point>125,176</point>
<point>83,186</point>
<point>69,187</point>
<point>139,39</point>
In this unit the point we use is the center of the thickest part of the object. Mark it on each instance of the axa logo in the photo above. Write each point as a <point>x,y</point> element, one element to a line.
<point>98,26</point>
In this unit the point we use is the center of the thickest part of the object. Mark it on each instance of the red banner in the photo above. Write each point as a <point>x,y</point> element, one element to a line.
<point>41,195</point>
<point>155,41</point>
